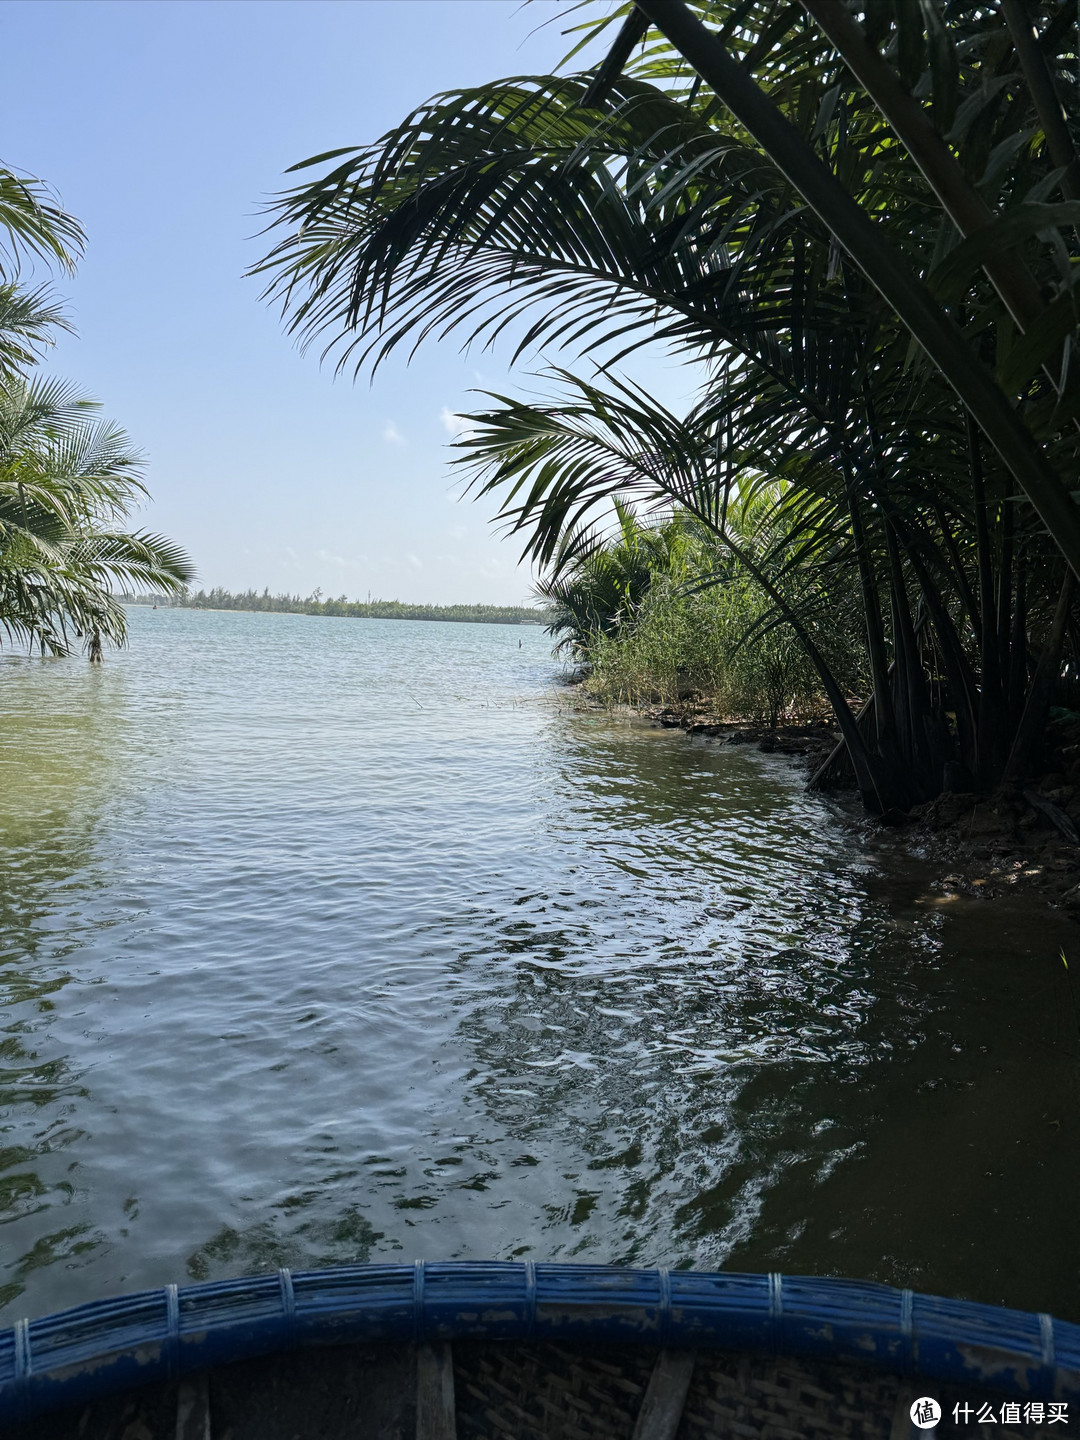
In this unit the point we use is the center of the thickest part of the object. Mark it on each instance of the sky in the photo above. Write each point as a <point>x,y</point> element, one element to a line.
<point>164,125</point>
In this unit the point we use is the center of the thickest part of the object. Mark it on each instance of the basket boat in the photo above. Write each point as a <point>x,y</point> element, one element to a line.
<point>460,1351</point>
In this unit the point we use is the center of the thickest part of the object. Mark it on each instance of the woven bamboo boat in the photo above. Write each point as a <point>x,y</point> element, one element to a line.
<point>531,1352</point>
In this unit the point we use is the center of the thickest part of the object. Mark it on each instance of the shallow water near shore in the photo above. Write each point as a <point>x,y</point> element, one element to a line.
<point>342,940</point>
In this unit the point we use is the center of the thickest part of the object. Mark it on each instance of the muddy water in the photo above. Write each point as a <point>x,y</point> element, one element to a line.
<point>331,940</point>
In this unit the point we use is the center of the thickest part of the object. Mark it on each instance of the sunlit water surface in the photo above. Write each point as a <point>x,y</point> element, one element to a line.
<point>336,940</point>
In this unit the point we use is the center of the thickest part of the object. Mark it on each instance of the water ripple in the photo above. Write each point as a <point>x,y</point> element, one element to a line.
<point>333,940</point>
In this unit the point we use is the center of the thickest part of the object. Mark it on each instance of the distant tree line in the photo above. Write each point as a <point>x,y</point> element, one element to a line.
<point>314,604</point>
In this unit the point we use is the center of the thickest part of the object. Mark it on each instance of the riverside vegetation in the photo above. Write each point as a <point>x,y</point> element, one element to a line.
<point>712,662</point>
<point>634,613</point>
<point>829,212</point>
<point>67,477</point>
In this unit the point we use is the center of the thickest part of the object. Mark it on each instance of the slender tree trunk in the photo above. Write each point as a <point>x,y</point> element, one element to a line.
<point>912,712</point>
<point>991,721</point>
<point>1018,650</point>
<point>875,629</point>
<point>1005,586</point>
<point>1029,734</point>
<point>953,661</point>
<point>960,578</point>
<point>876,786</point>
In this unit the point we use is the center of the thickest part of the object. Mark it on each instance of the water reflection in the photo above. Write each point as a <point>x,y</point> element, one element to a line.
<point>299,974</point>
<point>58,763</point>
<point>832,1106</point>
<point>287,1238</point>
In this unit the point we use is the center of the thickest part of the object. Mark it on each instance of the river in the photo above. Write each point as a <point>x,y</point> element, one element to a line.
<point>334,940</point>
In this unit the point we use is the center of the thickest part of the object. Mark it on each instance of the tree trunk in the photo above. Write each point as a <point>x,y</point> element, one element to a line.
<point>1032,727</point>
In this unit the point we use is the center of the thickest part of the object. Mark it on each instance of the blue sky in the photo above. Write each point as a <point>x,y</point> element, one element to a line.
<point>164,124</point>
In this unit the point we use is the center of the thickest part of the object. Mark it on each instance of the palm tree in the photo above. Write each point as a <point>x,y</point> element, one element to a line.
<point>66,478</point>
<point>882,262</point>
<point>599,583</point>
<point>36,225</point>
<point>28,322</point>
<point>662,216</point>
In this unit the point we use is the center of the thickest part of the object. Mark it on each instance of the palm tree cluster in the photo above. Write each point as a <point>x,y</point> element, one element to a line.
<point>67,477</point>
<point>861,224</point>
<point>660,612</point>
<point>597,590</point>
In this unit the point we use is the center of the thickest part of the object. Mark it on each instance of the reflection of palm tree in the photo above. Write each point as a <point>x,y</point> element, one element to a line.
<point>614,1028</point>
<point>56,770</point>
<point>36,1092</point>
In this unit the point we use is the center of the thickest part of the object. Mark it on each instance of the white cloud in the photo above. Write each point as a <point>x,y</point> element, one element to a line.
<point>328,558</point>
<point>392,435</point>
<point>455,425</point>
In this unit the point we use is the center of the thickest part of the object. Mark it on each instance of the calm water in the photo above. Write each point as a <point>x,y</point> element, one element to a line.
<point>335,940</point>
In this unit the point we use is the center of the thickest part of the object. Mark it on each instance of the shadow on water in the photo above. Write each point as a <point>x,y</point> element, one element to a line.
<point>949,1168</point>
<point>302,1244</point>
<point>298,973</point>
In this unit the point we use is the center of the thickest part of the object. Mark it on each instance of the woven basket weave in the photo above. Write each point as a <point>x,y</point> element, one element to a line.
<point>520,1391</point>
<point>531,1392</point>
<point>748,1395</point>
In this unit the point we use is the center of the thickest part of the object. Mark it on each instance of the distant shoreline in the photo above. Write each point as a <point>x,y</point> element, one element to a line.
<point>253,602</point>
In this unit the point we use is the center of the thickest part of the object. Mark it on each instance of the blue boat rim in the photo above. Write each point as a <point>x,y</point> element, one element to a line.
<point>111,1345</point>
